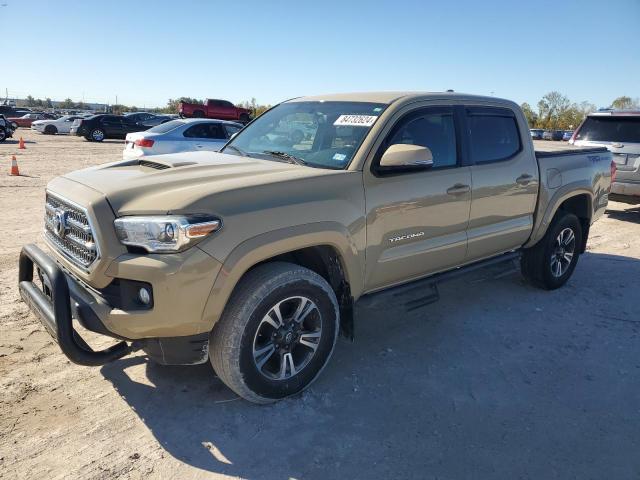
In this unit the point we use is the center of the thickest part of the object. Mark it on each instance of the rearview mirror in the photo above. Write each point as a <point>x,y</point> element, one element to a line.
<point>403,156</point>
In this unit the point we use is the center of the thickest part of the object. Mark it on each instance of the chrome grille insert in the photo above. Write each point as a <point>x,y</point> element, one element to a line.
<point>67,228</point>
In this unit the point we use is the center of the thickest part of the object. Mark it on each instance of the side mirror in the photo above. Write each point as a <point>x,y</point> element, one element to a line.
<point>403,156</point>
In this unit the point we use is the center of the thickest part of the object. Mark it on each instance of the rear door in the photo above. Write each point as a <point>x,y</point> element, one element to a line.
<point>417,220</point>
<point>112,126</point>
<point>505,175</point>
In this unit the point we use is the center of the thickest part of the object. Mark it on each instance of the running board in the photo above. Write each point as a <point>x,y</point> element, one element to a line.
<point>424,291</point>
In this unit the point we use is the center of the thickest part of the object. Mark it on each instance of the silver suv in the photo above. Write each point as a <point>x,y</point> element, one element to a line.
<point>619,131</point>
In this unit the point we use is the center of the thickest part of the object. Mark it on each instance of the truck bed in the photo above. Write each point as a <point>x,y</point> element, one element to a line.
<point>553,149</point>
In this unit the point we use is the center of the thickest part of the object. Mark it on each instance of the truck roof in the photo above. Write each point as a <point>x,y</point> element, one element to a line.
<point>390,97</point>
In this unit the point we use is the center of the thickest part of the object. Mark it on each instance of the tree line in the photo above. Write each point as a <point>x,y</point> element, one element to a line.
<point>556,112</point>
<point>171,107</point>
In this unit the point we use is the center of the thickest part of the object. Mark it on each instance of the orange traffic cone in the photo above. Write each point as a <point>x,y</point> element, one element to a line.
<point>14,166</point>
<point>21,144</point>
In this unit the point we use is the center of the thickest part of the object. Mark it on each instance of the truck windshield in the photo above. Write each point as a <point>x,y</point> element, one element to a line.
<point>319,134</point>
<point>610,129</point>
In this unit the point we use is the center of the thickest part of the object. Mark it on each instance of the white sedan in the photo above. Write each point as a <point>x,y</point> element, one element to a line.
<point>59,125</point>
<point>181,135</point>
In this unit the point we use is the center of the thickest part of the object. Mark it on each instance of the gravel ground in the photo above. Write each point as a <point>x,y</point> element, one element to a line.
<point>497,380</point>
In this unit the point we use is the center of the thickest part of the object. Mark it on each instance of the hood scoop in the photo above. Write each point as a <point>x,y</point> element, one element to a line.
<point>157,166</point>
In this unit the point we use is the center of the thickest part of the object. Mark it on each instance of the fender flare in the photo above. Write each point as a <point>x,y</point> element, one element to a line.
<point>277,242</point>
<point>561,195</point>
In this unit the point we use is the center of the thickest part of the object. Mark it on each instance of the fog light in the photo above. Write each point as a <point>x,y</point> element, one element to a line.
<point>144,296</point>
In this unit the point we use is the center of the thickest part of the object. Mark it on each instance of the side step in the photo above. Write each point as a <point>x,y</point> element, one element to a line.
<point>422,292</point>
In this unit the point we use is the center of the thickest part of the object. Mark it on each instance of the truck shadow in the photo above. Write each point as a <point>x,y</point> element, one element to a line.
<point>631,214</point>
<point>497,380</point>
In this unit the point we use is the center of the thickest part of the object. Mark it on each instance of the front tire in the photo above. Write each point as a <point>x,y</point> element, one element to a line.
<point>3,135</point>
<point>50,130</point>
<point>551,262</point>
<point>277,332</point>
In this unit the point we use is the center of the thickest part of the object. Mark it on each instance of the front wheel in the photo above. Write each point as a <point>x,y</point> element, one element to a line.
<point>277,332</point>
<point>50,130</point>
<point>550,263</point>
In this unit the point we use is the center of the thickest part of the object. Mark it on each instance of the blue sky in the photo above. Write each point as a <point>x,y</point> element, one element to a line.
<point>148,51</point>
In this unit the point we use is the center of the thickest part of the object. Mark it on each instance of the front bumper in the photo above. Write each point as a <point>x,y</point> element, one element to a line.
<point>164,331</point>
<point>54,310</point>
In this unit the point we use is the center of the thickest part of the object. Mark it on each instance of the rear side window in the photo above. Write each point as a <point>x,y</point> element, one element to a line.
<point>610,129</point>
<point>433,130</point>
<point>166,127</point>
<point>493,134</point>
<point>212,131</point>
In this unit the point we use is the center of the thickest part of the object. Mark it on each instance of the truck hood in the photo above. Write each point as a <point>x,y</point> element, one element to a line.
<point>186,183</point>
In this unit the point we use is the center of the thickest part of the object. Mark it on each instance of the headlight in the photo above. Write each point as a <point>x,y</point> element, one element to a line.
<point>164,234</point>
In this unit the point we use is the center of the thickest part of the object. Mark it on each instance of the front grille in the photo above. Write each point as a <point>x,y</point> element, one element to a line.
<point>67,227</point>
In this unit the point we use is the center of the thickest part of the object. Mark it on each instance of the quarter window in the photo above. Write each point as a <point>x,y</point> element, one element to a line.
<point>435,131</point>
<point>493,137</point>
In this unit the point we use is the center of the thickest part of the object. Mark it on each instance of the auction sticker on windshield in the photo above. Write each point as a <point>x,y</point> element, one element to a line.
<point>355,120</point>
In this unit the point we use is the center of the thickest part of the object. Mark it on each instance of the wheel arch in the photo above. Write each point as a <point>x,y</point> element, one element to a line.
<point>578,201</point>
<point>330,253</point>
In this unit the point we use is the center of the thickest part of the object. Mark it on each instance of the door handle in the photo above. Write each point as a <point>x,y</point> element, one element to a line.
<point>458,189</point>
<point>524,179</point>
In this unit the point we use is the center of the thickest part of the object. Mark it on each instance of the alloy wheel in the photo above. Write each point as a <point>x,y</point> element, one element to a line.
<point>287,338</point>
<point>563,252</point>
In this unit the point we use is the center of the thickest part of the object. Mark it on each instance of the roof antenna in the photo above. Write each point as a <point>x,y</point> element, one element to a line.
<point>450,90</point>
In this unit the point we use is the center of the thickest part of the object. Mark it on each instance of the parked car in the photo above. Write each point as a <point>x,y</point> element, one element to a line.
<point>566,136</point>
<point>27,119</point>
<point>6,128</point>
<point>139,117</point>
<point>158,120</point>
<point>99,127</point>
<point>536,133</point>
<point>552,135</point>
<point>219,109</point>
<point>184,135</point>
<point>618,131</point>
<point>52,127</point>
<point>253,258</point>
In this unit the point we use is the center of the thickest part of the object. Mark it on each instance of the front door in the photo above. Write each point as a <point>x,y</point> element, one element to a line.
<point>417,220</point>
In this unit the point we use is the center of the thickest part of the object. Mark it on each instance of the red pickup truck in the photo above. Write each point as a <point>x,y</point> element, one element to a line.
<point>220,109</point>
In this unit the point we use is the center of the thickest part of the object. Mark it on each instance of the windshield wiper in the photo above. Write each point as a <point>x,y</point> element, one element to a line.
<point>286,156</point>
<point>241,152</point>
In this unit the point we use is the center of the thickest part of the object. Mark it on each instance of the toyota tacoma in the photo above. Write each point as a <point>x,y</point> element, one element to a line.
<point>254,257</point>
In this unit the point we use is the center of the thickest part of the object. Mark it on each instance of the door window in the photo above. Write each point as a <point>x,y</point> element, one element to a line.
<point>231,129</point>
<point>493,135</point>
<point>433,130</point>
<point>210,131</point>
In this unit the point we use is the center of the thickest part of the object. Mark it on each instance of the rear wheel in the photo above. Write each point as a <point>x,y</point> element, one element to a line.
<point>198,114</point>
<point>276,334</point>
<point>97,135</point>
<point>3,135</point>
<point>550,263</point>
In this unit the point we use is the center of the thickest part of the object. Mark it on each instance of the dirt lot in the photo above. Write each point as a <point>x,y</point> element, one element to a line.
<point>497,380</point>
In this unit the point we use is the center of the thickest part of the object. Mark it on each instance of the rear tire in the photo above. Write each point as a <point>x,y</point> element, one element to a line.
<point>551,262</point>
<point>276,334</point>
<point>198,114</point>
<point>97,135</point>
<point>3,135</point>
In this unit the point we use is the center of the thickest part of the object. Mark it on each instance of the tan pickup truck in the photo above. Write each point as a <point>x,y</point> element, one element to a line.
<point>254,257</point>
